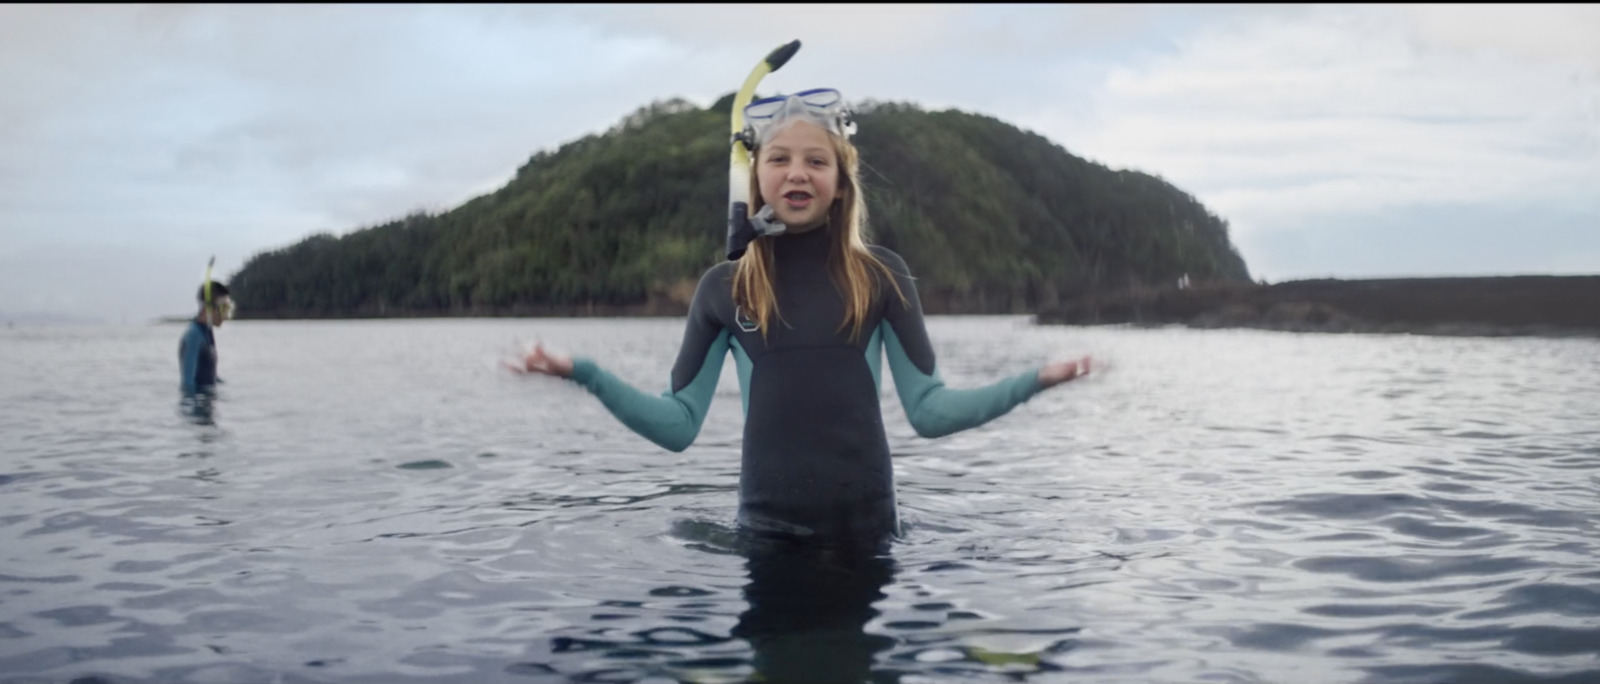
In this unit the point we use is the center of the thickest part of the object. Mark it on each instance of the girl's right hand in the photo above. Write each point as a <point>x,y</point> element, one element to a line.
<point>541,361</point>
<point>1063,371</point>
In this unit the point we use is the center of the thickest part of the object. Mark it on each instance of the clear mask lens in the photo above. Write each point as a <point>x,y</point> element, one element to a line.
<point>820,99</point>
<point>825,106</point>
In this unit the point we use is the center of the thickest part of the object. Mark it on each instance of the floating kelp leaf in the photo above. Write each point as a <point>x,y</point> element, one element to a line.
<point>997,658</point>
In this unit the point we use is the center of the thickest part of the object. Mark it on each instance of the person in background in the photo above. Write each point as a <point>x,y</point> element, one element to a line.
<point>197,351</point>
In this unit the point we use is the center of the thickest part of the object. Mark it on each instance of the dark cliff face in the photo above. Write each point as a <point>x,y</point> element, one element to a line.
<point>991,219</point>
<point>1516,305</point>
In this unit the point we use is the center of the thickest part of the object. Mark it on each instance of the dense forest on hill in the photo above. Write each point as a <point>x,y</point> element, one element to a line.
<point>991,219</point>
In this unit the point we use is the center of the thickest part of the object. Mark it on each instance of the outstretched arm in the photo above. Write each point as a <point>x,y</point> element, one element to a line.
<point>936,410</point>
<point>933,409</point>
<point>673,418</point>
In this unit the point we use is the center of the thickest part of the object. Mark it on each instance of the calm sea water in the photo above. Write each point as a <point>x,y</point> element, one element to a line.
<point>378,501</point>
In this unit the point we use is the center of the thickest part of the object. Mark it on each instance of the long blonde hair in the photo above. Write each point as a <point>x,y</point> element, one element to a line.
<point>849,260</point>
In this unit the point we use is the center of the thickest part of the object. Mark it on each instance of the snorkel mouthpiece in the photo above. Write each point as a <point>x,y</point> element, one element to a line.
<point>742,227</point>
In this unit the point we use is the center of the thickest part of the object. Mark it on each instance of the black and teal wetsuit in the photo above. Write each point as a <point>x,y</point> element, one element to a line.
<point>197,358</point>
<point>815,456</point>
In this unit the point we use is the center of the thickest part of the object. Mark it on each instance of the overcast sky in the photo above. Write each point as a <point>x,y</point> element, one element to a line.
<point>1346,141</point>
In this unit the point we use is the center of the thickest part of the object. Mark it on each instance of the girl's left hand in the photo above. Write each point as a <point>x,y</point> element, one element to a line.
<point>541,361</point>
<point>1063,371</point>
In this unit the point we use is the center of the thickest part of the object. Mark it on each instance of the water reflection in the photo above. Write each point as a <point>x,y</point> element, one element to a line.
<point>198,408</point>
<point>808,606</point>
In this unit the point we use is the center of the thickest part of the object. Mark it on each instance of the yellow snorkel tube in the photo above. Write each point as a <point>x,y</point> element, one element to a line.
<point>740,232</point>
<point>209,264</point>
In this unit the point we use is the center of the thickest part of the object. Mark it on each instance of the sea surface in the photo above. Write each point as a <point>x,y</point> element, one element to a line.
<point>380,501</point>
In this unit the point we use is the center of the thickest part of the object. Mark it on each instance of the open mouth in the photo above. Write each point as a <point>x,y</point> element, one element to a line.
<point>797,198</point>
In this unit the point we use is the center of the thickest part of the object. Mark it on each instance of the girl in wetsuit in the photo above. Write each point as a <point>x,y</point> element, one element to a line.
<point>807,313</point>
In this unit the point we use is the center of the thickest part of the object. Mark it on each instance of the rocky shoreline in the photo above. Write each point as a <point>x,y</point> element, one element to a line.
<point>1491,306</point>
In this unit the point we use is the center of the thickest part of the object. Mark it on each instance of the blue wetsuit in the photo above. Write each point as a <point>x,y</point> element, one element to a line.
<point>815,456</point>
<point>197,358</point>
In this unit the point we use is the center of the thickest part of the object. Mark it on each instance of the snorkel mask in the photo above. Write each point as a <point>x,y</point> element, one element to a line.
<point>824,107</point>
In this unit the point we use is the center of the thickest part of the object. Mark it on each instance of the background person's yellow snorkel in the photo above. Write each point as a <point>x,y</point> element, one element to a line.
<point>740,232</point>
<point>209,264</point>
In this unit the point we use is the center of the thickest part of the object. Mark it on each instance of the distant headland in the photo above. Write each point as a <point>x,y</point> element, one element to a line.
<point>991,219</point>
<point>1488,306</point>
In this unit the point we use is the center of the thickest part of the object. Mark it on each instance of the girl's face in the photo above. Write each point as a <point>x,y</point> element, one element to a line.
<point>798,172</point>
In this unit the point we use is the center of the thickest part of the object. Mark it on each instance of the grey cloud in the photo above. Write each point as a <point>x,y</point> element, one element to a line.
<point>1562,33</point>
<point>1304,132</point>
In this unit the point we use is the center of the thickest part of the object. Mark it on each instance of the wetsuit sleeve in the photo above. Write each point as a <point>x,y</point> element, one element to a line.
<point>672,419</point>
<point>189,359</point>
<point>933,409</point>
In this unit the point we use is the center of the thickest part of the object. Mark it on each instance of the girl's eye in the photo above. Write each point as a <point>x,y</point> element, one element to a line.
<point>818,161</point>
<point>776,159</point>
